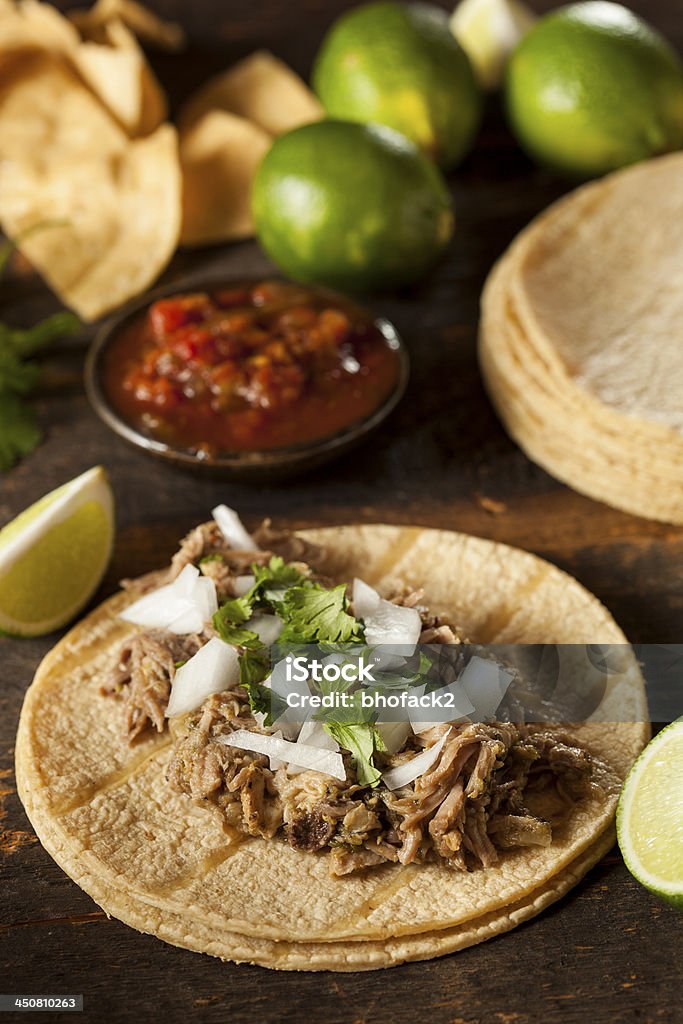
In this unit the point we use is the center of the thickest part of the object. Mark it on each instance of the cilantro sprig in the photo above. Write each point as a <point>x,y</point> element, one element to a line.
<point>19,431</point>
<point>312,615</point>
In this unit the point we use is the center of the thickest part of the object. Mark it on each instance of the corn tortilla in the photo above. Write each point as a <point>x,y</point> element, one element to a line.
<point>150,856</point>
<point>565,429</point>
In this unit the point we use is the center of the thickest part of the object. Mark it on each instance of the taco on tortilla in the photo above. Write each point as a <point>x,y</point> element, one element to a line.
<point>156,771</point>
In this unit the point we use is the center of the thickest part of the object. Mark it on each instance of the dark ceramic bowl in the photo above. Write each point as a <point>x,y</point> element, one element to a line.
<point>270,464</point>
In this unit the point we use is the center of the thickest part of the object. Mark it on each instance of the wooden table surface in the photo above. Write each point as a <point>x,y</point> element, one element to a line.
<point>608,952</point>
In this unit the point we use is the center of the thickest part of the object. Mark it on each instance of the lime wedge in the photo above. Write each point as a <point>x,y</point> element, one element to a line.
<point>650,816</point>
<point>54,555</point>
<point>488,31</point>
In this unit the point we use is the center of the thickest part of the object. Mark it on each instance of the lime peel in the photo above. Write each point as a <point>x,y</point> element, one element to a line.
<point>650,816</point>
<point>54,554</point>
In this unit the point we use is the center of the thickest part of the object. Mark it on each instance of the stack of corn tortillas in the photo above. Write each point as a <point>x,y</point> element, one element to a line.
<point>581,339</point>
<point>164,865</point>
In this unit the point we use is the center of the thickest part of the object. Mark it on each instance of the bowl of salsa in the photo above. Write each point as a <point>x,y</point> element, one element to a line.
<point>248,378</point>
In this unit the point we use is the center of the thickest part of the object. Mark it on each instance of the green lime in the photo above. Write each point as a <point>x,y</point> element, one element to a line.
<point>592,88</point>
<point>650,816</point>
<point>54,554</point>
<point>350,205</point>
<point>400,65</point>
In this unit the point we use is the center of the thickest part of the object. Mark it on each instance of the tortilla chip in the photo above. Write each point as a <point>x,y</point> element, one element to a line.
<point>152,857</point>
<point>219,156</point>
<point>261,89</point>
<point>113,66</point>
<point>47,115</point>
<point>120,76</point>
<point>121,219</point>
<point>115,76</point>
<point>145,24</point>
<point>37,24</point>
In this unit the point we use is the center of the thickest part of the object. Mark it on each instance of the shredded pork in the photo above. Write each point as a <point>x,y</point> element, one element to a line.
<point>474,802</point>
<point>467,808</point>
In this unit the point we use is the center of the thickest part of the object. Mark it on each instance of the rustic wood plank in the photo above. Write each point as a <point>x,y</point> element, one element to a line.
<point>608,950</point>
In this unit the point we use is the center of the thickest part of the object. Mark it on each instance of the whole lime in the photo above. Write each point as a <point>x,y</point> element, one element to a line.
<point>400,65</point>
<point>354,206</point>
<point>592,88</point>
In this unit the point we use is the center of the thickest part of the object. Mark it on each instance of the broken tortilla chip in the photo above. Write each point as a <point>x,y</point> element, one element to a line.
<point>47,115</point>
<point>113,66</point>
<point>145,24</point>
<point>261,89</point>
<point>219,155</point>
<point>120,76</point>
<point>120,221</point>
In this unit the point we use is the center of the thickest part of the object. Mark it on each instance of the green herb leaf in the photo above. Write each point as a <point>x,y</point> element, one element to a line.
<point>361,739</point>
<point>314,614</point>
<point>24,342</point>
<point>19,433</point>
<point>237,636</point>
<point>274,579</point>
<point>254,666</point>
<point>232,613</point>
<point>16,377</point>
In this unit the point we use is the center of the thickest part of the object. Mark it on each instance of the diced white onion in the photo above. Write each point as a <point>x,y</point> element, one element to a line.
<point>182,606</point>
<point>328,762</point>
<point>394,735</point>
<point>213,669</point>
<point>267,627</point>
<point>390,625</point>
<point>393,624</point>
<point>232,528</point>
<point>189,621</point>
<point>485,682</point>
<point>365,599</point>
<point>185,580</point>
<point>406,773</point>
<point>205,597</point>
<point>275,762</point>
<point>462,707</point>
<point>312,734</point>
<point>241,584</point>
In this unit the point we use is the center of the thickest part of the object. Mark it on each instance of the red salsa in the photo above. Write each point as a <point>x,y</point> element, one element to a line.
<point>249,367</point>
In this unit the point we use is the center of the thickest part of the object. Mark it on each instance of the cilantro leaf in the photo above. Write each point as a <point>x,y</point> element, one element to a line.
<point>274,579</point>
<point>254,668</point>
<point>262,699</point>
<point>314,614</point>
<point>19,433</point>
<point>254,665</point>
<point>361,739</point>
<point>25,341</point>
<point>232,613</point>
<point>15,377</point>
<point>237,636</point>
